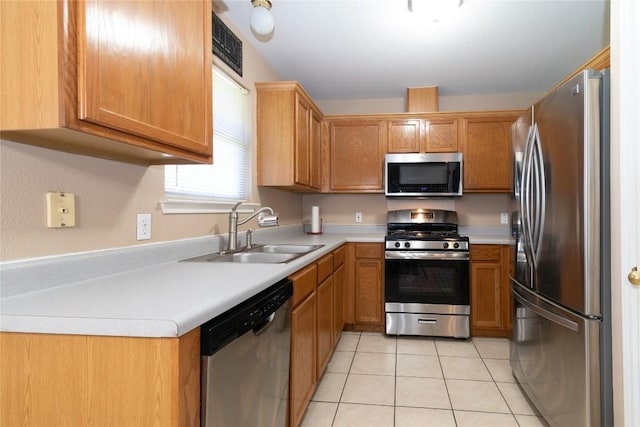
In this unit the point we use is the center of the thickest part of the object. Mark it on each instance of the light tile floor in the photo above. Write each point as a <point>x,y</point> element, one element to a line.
<point>379,380</point>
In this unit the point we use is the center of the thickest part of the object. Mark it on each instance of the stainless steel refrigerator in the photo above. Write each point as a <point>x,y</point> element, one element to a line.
<point>561,340</point>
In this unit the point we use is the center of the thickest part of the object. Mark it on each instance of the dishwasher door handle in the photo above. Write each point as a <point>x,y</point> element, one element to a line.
<point>262,327</point>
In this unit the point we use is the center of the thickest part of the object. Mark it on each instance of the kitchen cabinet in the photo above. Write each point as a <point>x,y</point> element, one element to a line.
<point>357,149</point>
<point>289,137</point>
<point>315,327</point>
<point>338,292</point>
<point>84,380</point>
<point>93,77</point>
<point>364,287</point>
<point>404,136</point>
<point>325,333</point>
<point>302,379</point>
<point>433,135</point>
<point>490,297</point>
<point>488,157</point>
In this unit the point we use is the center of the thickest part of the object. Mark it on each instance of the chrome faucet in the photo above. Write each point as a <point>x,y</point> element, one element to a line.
<point>270,220</point>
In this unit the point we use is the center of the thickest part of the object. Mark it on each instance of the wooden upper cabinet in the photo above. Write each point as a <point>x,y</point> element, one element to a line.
<point>315,153</point>
<point>404,136</point>
<point>441,136</point>
<point>303,143</point>
<point>95,77</point>
<point>488,157</point>
<point>437,135</point>
<point>357,149</point>
<point>289,137</point>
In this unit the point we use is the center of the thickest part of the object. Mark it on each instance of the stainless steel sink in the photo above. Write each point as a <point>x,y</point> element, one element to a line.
<point>259,254</point>
<point>285,248</point>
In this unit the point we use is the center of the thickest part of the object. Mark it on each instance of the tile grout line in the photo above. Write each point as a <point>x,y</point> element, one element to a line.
<point>335,415</point>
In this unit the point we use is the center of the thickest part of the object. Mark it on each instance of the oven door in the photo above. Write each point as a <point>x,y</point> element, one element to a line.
<point>427,277</point>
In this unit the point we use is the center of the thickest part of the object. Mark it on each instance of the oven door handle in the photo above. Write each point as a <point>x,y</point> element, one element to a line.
<point>427,255</point>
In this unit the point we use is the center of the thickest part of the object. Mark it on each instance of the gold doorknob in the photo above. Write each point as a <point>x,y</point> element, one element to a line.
<point>634,276</point>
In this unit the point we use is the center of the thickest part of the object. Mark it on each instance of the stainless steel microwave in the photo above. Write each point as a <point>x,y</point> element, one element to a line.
<point>423,175</point>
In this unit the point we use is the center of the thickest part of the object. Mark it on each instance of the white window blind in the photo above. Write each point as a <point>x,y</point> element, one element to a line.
<point>228,178</point>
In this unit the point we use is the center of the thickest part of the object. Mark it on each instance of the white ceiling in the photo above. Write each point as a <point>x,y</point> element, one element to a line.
<point>355,49</point>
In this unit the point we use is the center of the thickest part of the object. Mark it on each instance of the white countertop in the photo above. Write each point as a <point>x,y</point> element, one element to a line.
<point>161,300</point>
<point>151,296</point>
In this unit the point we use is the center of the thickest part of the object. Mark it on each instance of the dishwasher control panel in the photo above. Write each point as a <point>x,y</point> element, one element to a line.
<point>250,314</point>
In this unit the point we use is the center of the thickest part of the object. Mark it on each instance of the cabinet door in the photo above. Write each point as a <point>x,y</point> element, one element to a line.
<point>302,142</point>
<point>315,159</point>
<point>324,325</point>
<point>338,303</point>
<point>404,136</point>
<point>441,136</point>
<point>144,68</point>
<point>490,296</point>
<point>487,154</point>
<point>357,155</point>
<point>303,357</point>
<point>485,295</point>
<point>369,304</point>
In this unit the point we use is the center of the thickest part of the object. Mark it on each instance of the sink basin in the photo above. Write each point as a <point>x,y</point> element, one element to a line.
<point>260,254</point>
<point>285,249</point>
<point>261,257</point>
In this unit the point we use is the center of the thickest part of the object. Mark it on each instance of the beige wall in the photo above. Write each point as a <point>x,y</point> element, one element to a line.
<point>108,195</point>
<point>473,209</point>
<point>515,101</point>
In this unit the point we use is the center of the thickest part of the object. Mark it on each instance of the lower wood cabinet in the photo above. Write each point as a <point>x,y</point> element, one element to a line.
<point>490,297</point>
<point>303,358</point>
<point>87,380</point>
<point>316,323</point>
<point>324,325</point>
<point>364,287</point>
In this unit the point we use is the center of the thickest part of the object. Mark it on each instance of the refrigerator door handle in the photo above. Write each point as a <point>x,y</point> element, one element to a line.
<point>525,197</point>
<point>540,194</point>
<point>559,320</point>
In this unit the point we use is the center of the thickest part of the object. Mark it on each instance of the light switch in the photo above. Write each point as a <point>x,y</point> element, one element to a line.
<point>61,210</point>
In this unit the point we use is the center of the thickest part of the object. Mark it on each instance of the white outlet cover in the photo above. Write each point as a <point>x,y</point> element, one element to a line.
<point>143,227</point>
<point>504,218</point>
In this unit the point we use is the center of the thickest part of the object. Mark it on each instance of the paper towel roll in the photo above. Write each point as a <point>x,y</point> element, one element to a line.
<point>315,219</point>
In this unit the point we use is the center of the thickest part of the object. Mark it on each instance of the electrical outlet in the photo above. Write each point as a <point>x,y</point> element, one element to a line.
<point>143,227</point>
<point>358,216</point>
<point>61,210</point>
<point>504,218</point>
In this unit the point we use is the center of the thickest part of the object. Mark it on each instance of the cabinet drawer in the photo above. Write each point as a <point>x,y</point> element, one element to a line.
<point>485,253</point>
<point>368,250</point>
<point>325,267</point>
<point>338,257</point>
<point>304,282</point>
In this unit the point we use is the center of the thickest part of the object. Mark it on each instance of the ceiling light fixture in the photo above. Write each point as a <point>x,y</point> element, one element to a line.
<point>435,10</point>
<point>261,18</point>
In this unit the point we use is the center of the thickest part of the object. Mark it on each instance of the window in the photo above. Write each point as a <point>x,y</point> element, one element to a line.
<point>227,180</point>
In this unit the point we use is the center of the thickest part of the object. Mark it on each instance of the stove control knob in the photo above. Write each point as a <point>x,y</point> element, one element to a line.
<point>456,245</point>
<point>396,244</point>
<point>407,244</point>
<point>445,245</point>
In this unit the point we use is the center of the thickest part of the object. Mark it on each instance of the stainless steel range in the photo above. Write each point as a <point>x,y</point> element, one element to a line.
<point>426,274</point>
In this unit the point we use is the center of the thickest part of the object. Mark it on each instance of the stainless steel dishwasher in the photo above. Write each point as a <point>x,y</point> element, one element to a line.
<point>245,362</point>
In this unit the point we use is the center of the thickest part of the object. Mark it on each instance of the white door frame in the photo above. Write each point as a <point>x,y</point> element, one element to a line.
<point>625,208</point>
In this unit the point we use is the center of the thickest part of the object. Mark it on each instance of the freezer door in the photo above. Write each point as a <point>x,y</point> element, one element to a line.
<point>555,359</point>
<point>568,256</point>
